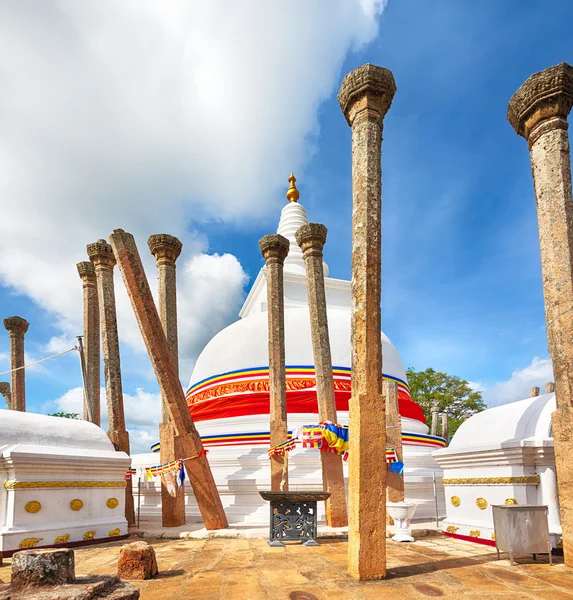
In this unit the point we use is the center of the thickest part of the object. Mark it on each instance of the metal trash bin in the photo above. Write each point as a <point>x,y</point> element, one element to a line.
<point>521,529</point>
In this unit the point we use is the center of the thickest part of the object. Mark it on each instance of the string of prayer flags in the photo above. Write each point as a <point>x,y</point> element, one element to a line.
<point>155,447</point>
<point>282,449</point>
<point>129,473</point>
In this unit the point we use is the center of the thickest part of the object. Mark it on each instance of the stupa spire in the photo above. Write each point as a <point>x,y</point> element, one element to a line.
<point>292,193</point>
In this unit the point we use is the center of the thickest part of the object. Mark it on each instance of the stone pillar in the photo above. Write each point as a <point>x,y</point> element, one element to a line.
<point>311,239</point>
<point>549,387</point>
<point>534,391</point>
<point>166,249</point>
<point>274,249</point>
<point>5,391</point>
<point>365,97</point>
<point>17,328</point>
<point>101,255</point>
<point>197,467</point>
<point>395,481</point>
<point>538,111</point>
<point>86,271</point>
<point>435,415</point>
<point>445,428</point>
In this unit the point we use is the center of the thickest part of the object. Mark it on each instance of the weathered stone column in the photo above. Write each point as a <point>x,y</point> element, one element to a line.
<point>435,415</point>
<point>365,97</point>
<point>445,426</point>
<point>395,482</point>
<point>274,249</point>
<point>197,465</point>
<point>17,328</point>
<point>166,249</point>
<point>101,255</point>
<point>538,111</point>
<point>311,239</point>
<point>549,387</point>
<point>6,392</point>
<point>86,271</point>
<point>534,391</point>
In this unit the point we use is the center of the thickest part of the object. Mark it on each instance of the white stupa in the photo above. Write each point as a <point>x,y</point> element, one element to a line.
<point>228,394</point>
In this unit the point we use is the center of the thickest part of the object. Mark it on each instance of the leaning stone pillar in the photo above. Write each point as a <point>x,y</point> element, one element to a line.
<point>101,255</point>
<point>365,97</point>
<point>534,391</point>
<point>538,111</point>
<point>197,465</point>
<point>86,271</point>
<point>166,249</point>
<point>6,392</point>
<point>445,427</point>
<point>435,416</point>
<point>549,387</point>
<point>395,481</point>
<point>311,239</point>
<point>17,328</point>
<point>274,249</point>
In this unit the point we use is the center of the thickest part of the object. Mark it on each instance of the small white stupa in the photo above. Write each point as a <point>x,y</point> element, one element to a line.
<point>503,455</point>
<point>228,395</point>
<point>61,482</point>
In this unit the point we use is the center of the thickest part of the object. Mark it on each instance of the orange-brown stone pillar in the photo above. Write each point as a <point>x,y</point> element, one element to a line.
<point>395,482</point>
<point>311,239</point>
<point>101,255</point>
<point>365,97</point>
<point>274,249</point>
<point>166,249</point>
<point>17,328</point>
<point>6,392</point>
<point>538,111</point>
<point>86,271</point>
<point>188,439</point>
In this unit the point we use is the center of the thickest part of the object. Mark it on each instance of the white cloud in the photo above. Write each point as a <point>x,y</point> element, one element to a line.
<point>154,116</point>
<point>141,409</point>
<point>517,387</point>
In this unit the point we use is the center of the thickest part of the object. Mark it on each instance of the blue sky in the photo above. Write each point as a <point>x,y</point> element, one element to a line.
<point>461,270</point>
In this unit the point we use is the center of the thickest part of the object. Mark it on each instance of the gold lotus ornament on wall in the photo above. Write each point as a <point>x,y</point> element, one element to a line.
<point>112,502</point>
<point>455,500</point>
<point>510,501</point>
<point>33,506</point>
<point>76,504</point>
<point>481,503</point>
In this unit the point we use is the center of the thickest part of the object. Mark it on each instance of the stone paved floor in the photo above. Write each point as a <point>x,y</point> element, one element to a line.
<point>246,569</point>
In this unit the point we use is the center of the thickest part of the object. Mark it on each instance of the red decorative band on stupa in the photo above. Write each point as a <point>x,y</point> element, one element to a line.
<point>246,392</point>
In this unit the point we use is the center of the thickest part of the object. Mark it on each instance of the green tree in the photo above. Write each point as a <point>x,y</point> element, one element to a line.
<point>65,415</point>
<point>453,396</point>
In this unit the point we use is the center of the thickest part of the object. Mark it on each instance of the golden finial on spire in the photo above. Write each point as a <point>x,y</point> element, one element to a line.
<point>292,193</point>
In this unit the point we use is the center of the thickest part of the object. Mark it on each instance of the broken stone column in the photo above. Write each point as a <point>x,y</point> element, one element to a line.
<point>534,391</point>
<point>166,249</point>
<point>5,391</point>
<point>137,561</point>
<point>549,387</point>
<point>17,328</point>
<point>538,111</point>
<point>365,97</point>
<point>50,575</point>
<point>395,481</point>
<point>435,416</point>
<point>311,239</point>
<point>445,426</point>
<point>197,467</point>
<point>274,249</point>
<point>86,271</point>
<point>101,255</point>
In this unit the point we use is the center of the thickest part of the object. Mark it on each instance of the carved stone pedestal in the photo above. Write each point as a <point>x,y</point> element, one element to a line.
<point>293,516</point>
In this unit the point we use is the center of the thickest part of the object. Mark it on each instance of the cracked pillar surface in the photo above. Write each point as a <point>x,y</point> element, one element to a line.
<point>6,392</point>
<point>86,271</point>
<point>395,481</point>
<point>101,255</point>
<point>274,249</point>
<point>311,239</point>
<point>365,96</point>
<point>17,327</point>
<point>166,249</point>
<point>187,436</point>
<point>538,111</point>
